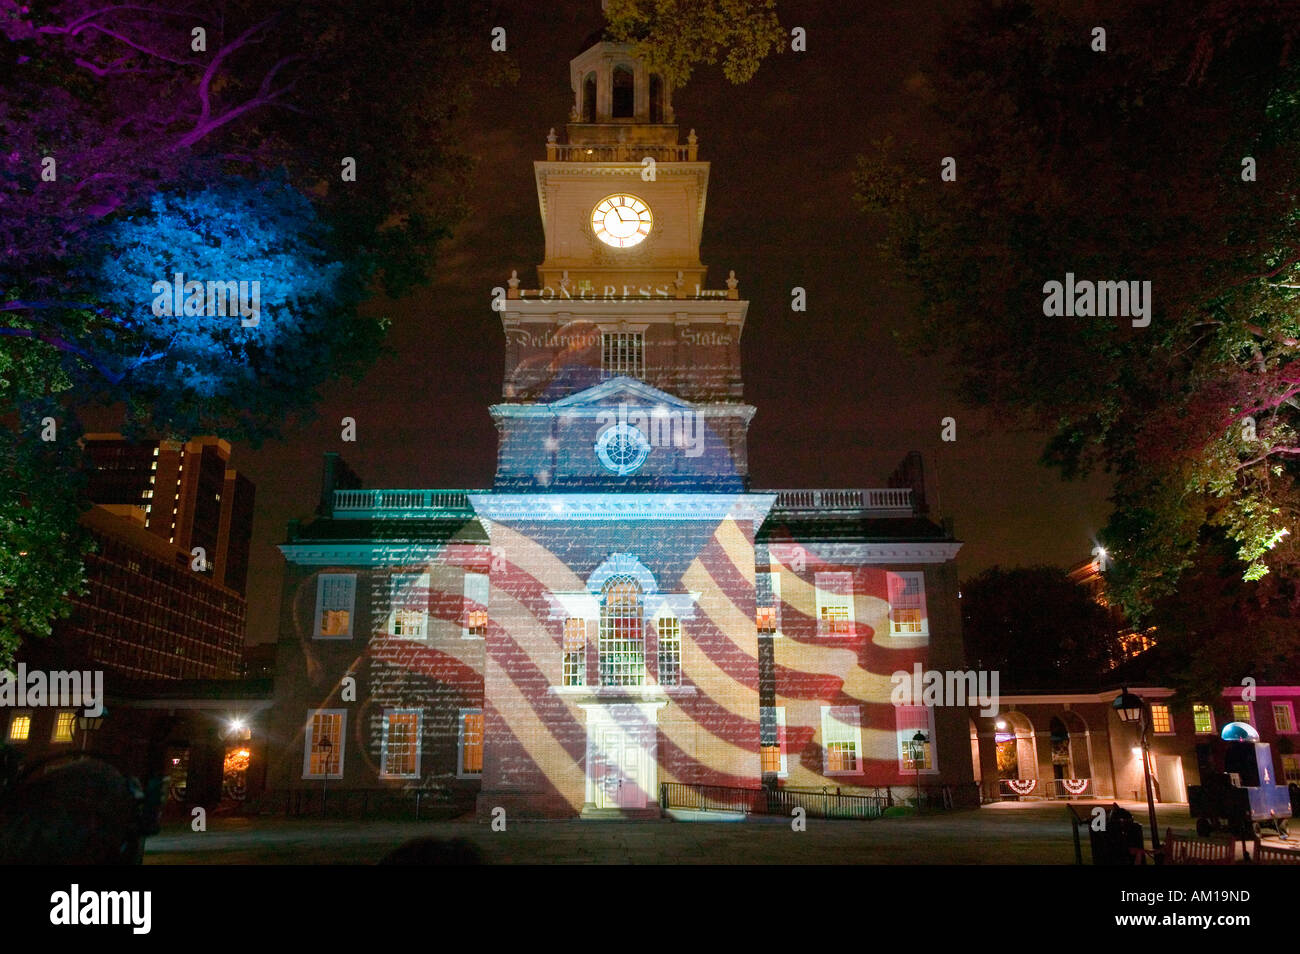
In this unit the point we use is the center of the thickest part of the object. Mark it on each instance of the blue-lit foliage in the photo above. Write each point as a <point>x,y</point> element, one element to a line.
<point>264,235</point>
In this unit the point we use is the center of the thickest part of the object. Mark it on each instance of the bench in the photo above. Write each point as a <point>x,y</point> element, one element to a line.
<point>1273,855</point>
<point>1183,850</point>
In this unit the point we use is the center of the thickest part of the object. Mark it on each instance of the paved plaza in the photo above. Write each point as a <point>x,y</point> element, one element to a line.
<point>1008,833</point>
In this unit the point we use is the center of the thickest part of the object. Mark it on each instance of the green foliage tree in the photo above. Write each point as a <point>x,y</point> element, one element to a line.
<point>677,36</point>
<point>1170,157</point>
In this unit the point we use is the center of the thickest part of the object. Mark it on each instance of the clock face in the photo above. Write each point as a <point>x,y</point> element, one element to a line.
<point>621,220</point>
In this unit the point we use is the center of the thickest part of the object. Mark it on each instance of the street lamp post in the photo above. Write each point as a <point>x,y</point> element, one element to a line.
<point>87,725</point>
<point>1131,708</point>
<point>918,743</point>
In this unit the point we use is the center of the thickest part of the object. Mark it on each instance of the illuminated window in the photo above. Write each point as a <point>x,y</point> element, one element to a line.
<point>907,615</point>
<point>1291,768</point>
<point>621,353</point>
<point>767,594</point>
<point>914,756</point>
<point>400,752</point>
<point>771,730</point>
<point>335,602</point>
<point>670,651</point>
<point>841,739</point>
<point>471,742</point>
<point>1161,721</point>
<point>1241,713</point>
<point>834,604</point>
<point>1203,719</point>
<point>410,606</point>
<point>20,727</point>
<point>476,606</point>
<point>622,642</point>
<point>324,742</point>
<point>1283,717</point>
<point>64,724</point>
<point>575,651</point>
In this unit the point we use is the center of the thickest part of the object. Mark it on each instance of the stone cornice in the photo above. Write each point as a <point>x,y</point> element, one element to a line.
<point>326,553</point>
<point>612,311</point>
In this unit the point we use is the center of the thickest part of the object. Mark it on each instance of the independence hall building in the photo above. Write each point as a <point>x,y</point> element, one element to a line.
<point>621,609</point>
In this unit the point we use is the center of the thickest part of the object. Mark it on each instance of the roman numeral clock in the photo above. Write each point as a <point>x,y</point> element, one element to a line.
<point>621,220</point>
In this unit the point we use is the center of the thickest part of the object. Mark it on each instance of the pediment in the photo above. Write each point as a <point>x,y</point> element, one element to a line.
<point>619,390</point>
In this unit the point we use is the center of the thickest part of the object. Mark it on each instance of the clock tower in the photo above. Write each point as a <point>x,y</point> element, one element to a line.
<point>622,367</point>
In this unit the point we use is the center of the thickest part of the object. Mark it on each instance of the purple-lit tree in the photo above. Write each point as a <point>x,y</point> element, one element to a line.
<point>140,138</point>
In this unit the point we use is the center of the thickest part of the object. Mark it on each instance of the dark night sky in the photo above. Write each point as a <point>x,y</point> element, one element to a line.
<point>839,403</point>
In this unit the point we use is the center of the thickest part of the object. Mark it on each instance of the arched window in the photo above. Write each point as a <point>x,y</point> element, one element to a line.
<point>589,98</point>
<point>622,639</point>
<point>656,98</point>
<point>624,102</point>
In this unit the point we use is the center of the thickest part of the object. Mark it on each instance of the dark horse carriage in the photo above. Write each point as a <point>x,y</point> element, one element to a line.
<point>1244,797</point>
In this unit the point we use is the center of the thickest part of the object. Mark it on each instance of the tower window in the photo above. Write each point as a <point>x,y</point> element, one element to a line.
<point>589,98</point>
<point>621,353</point>
<point>623,93</point>
<point>656,98</point>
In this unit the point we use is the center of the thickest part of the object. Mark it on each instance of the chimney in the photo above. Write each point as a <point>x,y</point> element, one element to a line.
<point>911,474</point>
<point>336,475</point>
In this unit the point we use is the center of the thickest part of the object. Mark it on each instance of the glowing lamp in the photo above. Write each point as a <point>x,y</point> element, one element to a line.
<point>1128,707</point>
<point>1239,732</point>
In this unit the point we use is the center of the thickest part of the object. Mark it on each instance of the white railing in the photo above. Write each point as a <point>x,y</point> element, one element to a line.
<point>620,152</point>
<point>884,501</point>
<point>396,503</point>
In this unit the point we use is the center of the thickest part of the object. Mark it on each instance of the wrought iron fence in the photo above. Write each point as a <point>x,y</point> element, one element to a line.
<point>816,803</point>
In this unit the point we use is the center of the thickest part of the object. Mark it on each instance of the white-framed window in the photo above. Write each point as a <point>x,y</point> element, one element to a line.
<point>670,651</point>
<point>474,625</point>
<point>1290,771</point>
<point>323,744</point>
<point>20,726</point>
<point>469,744</point>
<point>575,651</point>
<point>621,642</point>
<point>767,594</point>
<point>400,748</point>
<point>1284,718</point>
<point>622,352</point>
<point>834,604</point>
<point>65,724</point>
<point>1243,712</point>
<point>408,615</point>
<point>1162,720</point>
<point>1203,719</point>
<point>336,595</point>
<point>907,616</point>
<point>908,721</point>
<point>771,730</point>
<point>842,740</point>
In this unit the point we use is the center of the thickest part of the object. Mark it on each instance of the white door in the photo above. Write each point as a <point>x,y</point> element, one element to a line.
<point>1169,772</point>
<point>621,781</point>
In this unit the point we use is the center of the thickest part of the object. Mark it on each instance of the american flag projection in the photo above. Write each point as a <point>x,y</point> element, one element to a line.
<point>621,610</point>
